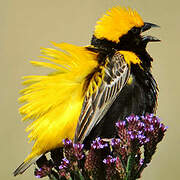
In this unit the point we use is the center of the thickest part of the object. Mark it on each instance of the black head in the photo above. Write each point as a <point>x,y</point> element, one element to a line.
<point>132,41</point>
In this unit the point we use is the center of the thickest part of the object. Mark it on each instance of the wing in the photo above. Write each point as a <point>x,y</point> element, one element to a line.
<point>116,74</point>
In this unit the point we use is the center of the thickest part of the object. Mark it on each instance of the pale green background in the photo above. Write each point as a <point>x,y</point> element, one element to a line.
<point>27,25</point>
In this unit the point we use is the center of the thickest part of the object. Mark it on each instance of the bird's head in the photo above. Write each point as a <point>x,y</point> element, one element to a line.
<point>122,28</point>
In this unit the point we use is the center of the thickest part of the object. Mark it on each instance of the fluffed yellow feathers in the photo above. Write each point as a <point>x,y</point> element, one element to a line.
<point>116,23</point>
<point>54,101</point>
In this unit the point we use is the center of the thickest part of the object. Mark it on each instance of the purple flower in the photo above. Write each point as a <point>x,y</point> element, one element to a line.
<point>67,142</point>
<point>98,143</point>
<point>141,162</point>
<point>78,146</point>
<point>109,160</point>
<point>115,142</point>
<point>121,124</point>
<point>64,164</point>
<point>132,118</point>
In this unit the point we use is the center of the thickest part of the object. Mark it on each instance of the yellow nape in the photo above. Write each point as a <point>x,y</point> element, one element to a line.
<point>116,23</point>
<point>54,101</point>
<point>130,57</point>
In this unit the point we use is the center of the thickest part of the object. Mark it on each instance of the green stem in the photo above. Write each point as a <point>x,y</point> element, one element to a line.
<point>130,163</point>
<point>77,171</point>
<point>80,175</point>
<point>52,177</point>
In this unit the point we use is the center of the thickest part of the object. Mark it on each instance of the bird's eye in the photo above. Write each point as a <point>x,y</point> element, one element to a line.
<point>135,30</point>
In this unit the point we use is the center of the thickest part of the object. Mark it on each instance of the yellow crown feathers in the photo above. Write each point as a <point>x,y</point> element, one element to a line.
<point>116,23</point>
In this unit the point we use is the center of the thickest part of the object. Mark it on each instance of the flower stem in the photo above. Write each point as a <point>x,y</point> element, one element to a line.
<point>52,177</point>
<point>80,175</point>
<point>130,163</point>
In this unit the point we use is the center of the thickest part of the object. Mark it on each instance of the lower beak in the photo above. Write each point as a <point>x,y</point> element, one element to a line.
<point>150,39</point>
<point>146,39</point>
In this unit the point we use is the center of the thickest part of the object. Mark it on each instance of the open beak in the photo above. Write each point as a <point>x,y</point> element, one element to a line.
<point>146,39</point>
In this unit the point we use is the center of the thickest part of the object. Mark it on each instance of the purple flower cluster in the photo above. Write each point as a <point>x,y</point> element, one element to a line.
<point>73,152</point>
<point>131,130</point>
<point>137,131</point>
<point>154,130</point>
<point>78,150</point>
<point>64,167</point>
<point>43,171</point>
<point>110,164</point>
<point>94,159</point>
<point>153,127</point>
<point>123,157</point>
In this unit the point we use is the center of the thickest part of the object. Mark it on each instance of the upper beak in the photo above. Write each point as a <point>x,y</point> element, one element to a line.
<point>148,26</point>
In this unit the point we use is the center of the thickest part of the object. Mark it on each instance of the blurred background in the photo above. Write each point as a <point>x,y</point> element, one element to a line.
<point>27,25</point>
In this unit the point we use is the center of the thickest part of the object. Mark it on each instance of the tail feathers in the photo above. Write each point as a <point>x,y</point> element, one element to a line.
<point>25,165</point>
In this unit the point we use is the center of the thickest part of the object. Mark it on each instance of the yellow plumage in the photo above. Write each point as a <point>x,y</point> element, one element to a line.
<point>116,23</point>
<point>54,101</point>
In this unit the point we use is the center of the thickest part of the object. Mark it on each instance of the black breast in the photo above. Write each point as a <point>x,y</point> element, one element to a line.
<point>138,98</point>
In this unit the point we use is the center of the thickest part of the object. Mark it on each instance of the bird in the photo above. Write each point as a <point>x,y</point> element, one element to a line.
<point>91,87</point>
